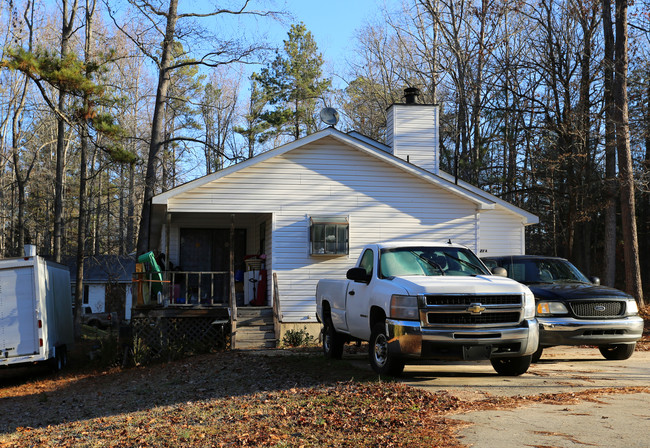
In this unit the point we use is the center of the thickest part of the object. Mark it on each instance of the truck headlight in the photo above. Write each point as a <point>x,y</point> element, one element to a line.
<point>631,308</point>
<point>529,304</point>
<point>404,307</point>
<point>551,308</point>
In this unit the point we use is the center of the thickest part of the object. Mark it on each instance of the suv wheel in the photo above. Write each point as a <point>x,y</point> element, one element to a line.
<point>511,366</point>
<point>617,352</point>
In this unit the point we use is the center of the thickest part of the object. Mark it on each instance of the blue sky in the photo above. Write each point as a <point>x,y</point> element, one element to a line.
<point>333,23</point>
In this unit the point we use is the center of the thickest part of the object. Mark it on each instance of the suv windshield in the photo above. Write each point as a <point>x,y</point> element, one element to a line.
<point>429,261</point>
<point>543,270</point>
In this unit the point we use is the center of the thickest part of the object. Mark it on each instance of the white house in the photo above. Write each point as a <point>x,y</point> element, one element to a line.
<point>311,205</point>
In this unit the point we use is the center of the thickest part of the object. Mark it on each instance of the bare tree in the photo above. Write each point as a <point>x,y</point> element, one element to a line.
<point>626,177</point>
<point>164,21</point>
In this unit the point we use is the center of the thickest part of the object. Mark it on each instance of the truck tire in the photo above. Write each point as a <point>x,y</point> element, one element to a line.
<point>617,352</point>
<point>381,360</point>
<point>332,341</point>
<point>511,366</point>
<point>538,354</point>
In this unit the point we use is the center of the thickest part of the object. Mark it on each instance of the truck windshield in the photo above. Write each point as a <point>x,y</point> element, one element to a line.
<point>429,261</point>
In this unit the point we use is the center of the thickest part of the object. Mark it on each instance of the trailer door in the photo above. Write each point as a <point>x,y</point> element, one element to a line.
<point>18,317</point>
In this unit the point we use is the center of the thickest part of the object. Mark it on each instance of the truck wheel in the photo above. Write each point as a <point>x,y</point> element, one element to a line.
<point>511,366</point>
<point>538,354</point>
<point>381,360</point>
<point>332,341</point>
<point>617,352</point>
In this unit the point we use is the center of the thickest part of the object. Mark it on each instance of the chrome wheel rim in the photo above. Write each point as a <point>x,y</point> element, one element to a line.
<point>381,350</point>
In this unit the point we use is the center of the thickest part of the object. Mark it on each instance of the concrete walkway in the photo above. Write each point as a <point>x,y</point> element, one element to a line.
<point>614,421</point>
<point>619,420</point>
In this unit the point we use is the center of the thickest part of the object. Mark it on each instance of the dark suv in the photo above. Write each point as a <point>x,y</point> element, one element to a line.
<point>571,309</point>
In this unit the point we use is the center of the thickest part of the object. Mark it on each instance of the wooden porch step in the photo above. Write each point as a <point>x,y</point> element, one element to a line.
<point>254,321</point>
<point>255,328</point>
<point>254,312</point>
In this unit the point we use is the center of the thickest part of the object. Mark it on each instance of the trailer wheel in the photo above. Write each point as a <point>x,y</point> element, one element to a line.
<point>57,361</point>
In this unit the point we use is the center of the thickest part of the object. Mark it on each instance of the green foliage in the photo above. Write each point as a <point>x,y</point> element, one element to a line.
<point>297,338</point>
<point>293,83</point>
<point>78,79</point>
<point>257,128</point>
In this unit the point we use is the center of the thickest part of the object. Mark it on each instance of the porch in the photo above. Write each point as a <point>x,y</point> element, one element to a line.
<point>184,311</point>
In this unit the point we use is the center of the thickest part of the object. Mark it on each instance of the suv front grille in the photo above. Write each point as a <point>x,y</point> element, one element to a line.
<point>597,309</point>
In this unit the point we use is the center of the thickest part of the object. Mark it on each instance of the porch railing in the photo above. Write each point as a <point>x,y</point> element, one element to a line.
<point>182,288</point>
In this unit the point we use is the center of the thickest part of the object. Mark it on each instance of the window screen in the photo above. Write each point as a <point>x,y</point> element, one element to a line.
<point>328,235</point>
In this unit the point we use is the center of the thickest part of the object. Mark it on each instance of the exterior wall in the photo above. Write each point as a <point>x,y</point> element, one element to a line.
<point>328,179</point>
<point>501,233</point>
<point>413,134</point>
<point>96,298</point>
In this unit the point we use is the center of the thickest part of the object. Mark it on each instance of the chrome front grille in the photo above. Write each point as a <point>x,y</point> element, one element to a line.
<point>597,309</point>
<point>466,310</point>
<point>509,299</point>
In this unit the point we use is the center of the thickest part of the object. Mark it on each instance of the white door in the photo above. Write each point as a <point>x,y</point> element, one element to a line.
<point>18,317</point>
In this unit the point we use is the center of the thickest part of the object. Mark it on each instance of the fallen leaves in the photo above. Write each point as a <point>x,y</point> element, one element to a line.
<point>258,401</point>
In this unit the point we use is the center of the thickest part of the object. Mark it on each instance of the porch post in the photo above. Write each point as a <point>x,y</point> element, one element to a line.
<point>233,297</point>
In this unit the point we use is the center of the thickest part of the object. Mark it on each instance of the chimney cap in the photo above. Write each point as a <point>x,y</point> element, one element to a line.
<point>411,94</point>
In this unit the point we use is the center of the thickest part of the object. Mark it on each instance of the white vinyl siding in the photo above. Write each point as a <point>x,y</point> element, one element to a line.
<point>325,178</point>
<point>501,233</point>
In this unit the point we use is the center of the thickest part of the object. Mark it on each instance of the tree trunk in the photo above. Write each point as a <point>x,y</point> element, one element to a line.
<point>67,30</point>
<point>157,127</point>
<point>628,213</point>
<point>611,184</point>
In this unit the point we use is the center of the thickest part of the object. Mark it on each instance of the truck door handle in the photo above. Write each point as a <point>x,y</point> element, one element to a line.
<point>351,293</point>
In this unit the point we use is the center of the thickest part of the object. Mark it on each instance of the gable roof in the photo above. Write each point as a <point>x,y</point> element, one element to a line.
<point>104,269</point>
<point>482,199</point>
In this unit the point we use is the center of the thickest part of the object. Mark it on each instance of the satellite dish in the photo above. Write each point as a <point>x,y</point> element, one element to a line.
<point>329,116</point>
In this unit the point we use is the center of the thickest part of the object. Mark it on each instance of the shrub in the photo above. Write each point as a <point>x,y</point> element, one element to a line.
<point>297,338</point>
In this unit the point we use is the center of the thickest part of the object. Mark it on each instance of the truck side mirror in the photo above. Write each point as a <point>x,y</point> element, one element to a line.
<point>595,280</point>
<point>358,275</point>
<point>501,272</point>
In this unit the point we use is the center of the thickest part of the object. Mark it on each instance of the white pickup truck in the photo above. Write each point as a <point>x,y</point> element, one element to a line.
<point>423,300</point>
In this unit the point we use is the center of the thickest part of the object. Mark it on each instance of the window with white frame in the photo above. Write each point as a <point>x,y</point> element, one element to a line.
<point>328,235</point>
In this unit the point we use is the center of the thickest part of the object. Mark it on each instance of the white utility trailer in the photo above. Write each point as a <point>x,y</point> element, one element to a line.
<point>36,323</point>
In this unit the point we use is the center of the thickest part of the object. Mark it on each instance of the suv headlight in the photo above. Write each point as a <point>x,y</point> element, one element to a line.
<point>529,304</point>
<point>551,308</point>
<point>404,307</point>
<point>631,308</point>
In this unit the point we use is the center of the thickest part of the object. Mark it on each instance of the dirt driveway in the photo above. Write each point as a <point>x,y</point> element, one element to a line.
<point>618,420</point>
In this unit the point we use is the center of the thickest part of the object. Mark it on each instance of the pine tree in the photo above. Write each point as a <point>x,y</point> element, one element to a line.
<point>293,82</point>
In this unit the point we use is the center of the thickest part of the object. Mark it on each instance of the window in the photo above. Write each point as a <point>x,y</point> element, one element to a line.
<point>367,262</point>
<point>328,235</point>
